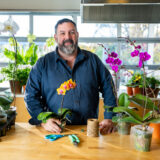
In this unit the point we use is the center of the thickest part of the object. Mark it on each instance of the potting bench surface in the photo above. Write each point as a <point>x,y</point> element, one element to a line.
<point>27,142</point>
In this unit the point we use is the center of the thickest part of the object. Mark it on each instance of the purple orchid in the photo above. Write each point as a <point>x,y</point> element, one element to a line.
<point>115,68</point>
<point>135,53</point>
<point>109,60</point>
<point>114,54</point>
<point>143,56</point>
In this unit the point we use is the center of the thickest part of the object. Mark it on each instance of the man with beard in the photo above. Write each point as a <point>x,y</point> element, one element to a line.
<point>68,61</point>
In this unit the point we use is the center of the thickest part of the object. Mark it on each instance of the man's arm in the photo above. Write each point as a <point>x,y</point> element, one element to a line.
<point>108,93</point>
<point>33,98</point>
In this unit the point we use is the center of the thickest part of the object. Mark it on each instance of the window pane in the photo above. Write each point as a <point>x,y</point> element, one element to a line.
<point>92,47</point>
<point>21,20</point>
<point>96,30</point>
<point>134,30</point>
<point>156,50</point>
<point>44,25</point>
<point>156,28</point>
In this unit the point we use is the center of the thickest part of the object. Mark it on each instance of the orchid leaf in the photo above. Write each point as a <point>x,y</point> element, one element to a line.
<point>128,112</point>
<point>143,101</point>
<point>133,108</point>
<point>62,112</point>
<point>123,100</point>
<point>109,108</point>
<point>43,116</point>
<point>115,119</point>
<point>131,120</point>
<point>147,115</point>
<point>142,97</point>
<point>154,120</point>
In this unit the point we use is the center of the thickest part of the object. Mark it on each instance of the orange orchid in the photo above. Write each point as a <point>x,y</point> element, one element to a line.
<point>61,91</point>
<point>66,86</point>
<point>71,84</point>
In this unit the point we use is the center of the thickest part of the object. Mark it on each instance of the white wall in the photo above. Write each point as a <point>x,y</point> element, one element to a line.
<point>40,5</point>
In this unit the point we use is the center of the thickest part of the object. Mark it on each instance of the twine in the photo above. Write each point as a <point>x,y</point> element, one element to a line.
<point>92,128</point>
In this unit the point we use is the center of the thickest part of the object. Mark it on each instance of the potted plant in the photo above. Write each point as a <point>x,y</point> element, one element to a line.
<point>4,108</point>
<point>62,112</point>
<point>5,102</point>
<point>142,131</point>
<point>16,74</point>
<point>134,82</point>
<point>122,126</point>
<point>152,87</point>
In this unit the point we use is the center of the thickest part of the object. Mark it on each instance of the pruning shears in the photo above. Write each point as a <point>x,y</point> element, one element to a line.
<point>74,139</point>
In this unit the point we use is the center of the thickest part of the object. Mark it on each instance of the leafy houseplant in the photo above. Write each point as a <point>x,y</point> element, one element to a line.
<point>62,112</point>
<point>5,110</point>
<point>134,83</point>
<point>24,61</point>
<point>152,87</point>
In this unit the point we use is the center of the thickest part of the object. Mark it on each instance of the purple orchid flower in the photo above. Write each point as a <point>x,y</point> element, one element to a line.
<point>143,56</point>
<point>114,54</point>
<point>135,53</point>
<point>115,68</point>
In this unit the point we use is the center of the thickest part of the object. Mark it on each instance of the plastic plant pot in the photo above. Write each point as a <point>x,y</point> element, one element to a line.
<point>142,138</point>
<point>123,128</point>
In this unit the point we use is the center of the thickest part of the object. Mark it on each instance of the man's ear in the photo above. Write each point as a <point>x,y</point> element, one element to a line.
<point>78,34</point>
<point>55,37</point>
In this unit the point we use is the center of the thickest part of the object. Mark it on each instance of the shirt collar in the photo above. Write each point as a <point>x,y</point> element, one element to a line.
<point>80,56</point>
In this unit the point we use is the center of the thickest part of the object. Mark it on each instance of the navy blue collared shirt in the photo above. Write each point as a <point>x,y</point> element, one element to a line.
<point>90,75</point>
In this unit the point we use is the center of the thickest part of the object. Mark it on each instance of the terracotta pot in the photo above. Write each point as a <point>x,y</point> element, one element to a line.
<point>152,93</point>
<point>156,130</point>
<point>136,90</point>
<point>15,86</point>
<point>24,88</point>
<point>129,91</point>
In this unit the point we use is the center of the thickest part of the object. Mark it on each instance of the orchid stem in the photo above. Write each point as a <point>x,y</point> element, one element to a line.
<point>62,104</point>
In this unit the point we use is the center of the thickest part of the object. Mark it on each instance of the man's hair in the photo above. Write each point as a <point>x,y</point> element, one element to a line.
<point>63,21</point>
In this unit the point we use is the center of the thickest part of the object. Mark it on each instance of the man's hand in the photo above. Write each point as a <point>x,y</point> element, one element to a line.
<point>51,125</point>
<point>107,126</point>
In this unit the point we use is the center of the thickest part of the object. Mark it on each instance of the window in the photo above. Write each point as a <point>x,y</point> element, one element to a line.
<point>90,36</point>
<point>43,26</point>
<point>96,30</point>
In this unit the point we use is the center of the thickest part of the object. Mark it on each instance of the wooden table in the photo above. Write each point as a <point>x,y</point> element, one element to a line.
<point>26,142</point>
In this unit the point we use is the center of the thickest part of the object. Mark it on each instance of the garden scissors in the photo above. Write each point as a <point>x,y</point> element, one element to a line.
<point>53,137</point>
<point>74,139</point>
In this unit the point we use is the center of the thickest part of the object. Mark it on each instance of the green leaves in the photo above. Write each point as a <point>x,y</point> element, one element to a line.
<point>143,101</point>
<point>65,112</point>
<point>5,102</point>
<point>44,116</point>
<point>123,100</point>
<point>25,56</point>
<point>128,111</point>
<point>154,120</point>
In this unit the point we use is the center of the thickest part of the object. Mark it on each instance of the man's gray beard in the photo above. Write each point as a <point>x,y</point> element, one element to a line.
<point>69,50</point>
